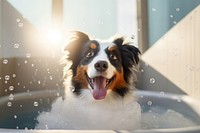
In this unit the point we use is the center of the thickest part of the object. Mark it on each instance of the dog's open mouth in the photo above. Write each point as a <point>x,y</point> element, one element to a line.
<point>99,86</point>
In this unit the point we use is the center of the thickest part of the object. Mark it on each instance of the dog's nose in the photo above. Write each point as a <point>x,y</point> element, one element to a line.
<point>101,66</point>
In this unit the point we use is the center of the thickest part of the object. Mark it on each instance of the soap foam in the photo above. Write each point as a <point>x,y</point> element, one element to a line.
<point>87,113</point>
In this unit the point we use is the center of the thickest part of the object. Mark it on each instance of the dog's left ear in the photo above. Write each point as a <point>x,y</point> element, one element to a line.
<point>129,52</point>
<point>130,56</point>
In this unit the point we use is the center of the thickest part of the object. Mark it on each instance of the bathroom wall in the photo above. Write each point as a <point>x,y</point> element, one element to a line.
<point>176,58</point>
<point>26,62</point>
<point>165,14</point>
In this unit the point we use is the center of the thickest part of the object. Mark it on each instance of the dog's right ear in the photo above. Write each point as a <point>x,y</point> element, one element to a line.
<point>74,46</point>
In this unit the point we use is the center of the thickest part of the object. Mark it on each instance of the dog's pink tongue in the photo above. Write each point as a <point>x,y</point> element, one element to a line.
<point>99,91</point>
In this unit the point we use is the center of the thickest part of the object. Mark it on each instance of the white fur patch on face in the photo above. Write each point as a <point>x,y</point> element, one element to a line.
<point>101,56</point>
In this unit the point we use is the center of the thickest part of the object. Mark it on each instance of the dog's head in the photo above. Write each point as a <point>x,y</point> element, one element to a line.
<point>101,65</point>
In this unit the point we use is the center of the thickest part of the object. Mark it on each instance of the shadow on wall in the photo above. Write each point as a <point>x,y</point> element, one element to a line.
<point>150,79</point>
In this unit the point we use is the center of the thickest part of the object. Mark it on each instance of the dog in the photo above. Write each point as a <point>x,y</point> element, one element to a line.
<point>102,66</point>
<point>100,79</point>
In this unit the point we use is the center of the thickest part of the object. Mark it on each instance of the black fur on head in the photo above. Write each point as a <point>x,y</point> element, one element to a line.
<point>130,55</point>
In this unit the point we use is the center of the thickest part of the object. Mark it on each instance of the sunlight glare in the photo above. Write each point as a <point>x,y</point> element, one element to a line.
<point>54,36</point>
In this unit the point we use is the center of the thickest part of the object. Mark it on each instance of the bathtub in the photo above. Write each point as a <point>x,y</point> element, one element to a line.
<point>18,112</point>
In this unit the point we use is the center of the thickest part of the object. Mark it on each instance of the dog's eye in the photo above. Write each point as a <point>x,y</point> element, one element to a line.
<point>113,56</point>
<point>90,54</point>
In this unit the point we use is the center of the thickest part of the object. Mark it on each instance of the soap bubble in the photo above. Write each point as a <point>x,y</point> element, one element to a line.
<point>20,25</point>
<point>14,75</point>
<point>152,80</point>
<point>174,22</point>
<point>178,9</point>
<point>5,61</point>
<point>16,45</point>
<point>50,77</point>
<point>149,103</point>
<point>7,77</point>
<point>9,104</point>
<point>11,88</point>
<point>35,104</point>
<point>162,93</point>
<point>18,20</point>
<point>15,116</point>
<point>28,55</point>
<point>11,96</point>
<point>154,9</point>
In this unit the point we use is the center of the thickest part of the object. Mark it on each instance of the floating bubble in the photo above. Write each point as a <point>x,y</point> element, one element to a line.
<point>35,104</point>
<point>149,103</point>
<point>171,16</point>
<point>32,65</point>
<point>39,82</point>
<point>142,70</point>
<point>7,77</point>
<point>152,80</point>
<point>162,93</point>
<point>179,100</point>
<point>20,25</point>
<point>28,55</point>
<point>11,96</point>
<point>11,88</point>
<point>17,20</point>
<point>154,9</point>
<point>0,78</point>
<point>20,106</point>
<point>14,75</point>
<point>18,84</point>
<point>17,127</point>
<point>50,77</point>
<point>25,61</point>
<point>5,61</point>
<point>178,9</point>
<point>15,116</point>
<point>6,82</point>
<point>9,104</point>
<point>16,45</point>
<point>174,22</point>
<point>46,127</point>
